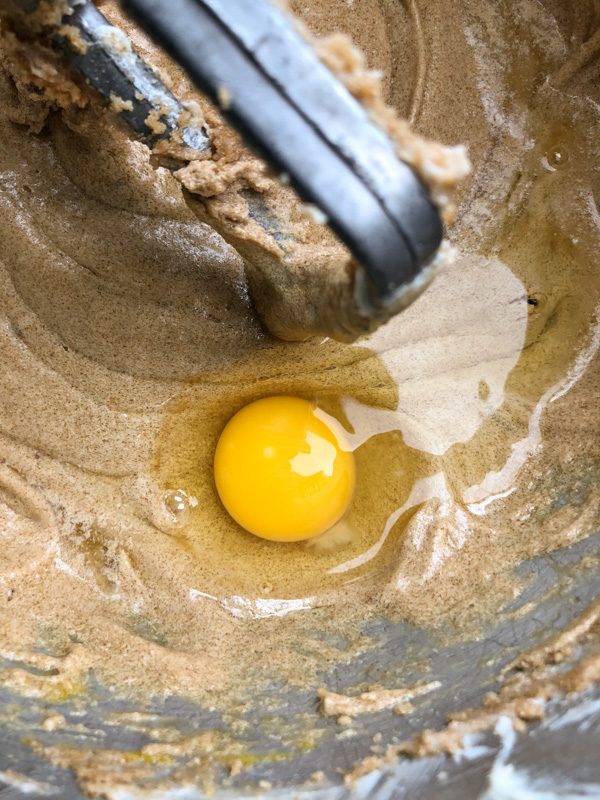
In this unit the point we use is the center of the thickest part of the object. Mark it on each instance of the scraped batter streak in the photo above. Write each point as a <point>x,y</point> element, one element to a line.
<point>303,281</point>
<point>128,339</point>
<point>325,292</point>
<point>337,705</point>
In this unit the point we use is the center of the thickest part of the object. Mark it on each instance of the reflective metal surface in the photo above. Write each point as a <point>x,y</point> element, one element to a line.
<point>562,749</point>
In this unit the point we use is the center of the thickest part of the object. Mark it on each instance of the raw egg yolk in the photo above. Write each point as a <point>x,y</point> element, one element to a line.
<point>283,469</point>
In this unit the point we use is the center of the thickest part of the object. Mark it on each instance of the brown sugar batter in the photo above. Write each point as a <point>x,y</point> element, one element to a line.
<point>128,339</point>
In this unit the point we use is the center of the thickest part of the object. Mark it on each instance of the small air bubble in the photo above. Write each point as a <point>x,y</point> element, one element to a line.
<point>556,158</point>
<point>178,505</point>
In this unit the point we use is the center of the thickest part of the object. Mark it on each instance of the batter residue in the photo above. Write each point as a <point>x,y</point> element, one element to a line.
<point>128,340</point>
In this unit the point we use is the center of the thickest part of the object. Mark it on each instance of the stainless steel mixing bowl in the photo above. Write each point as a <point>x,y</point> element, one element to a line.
<point>554,758</point>
<point>556,755</point>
